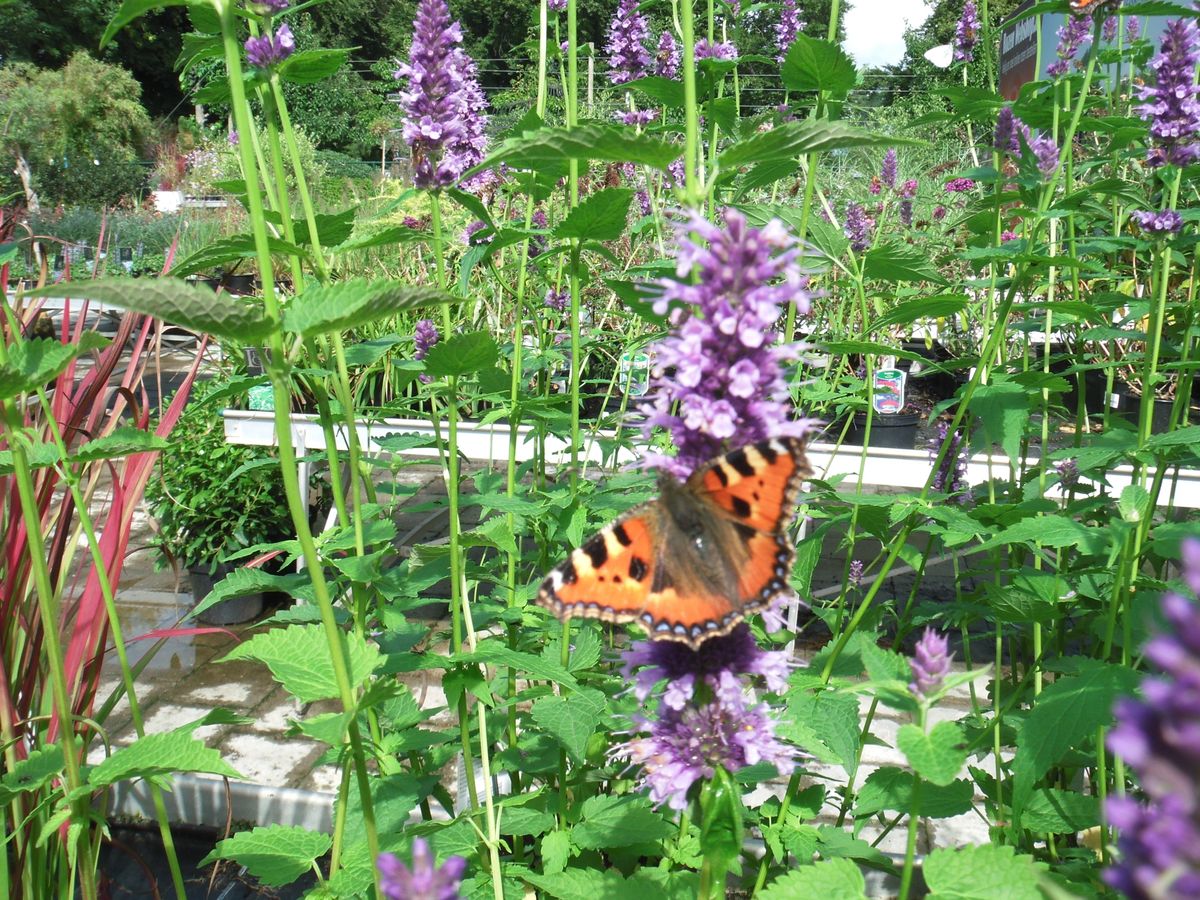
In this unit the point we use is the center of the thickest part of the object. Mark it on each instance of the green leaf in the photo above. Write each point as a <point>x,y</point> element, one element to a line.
<point>601,217</point>
<point>172,300</point>
<point>1003,411</point>
<point>987,872</point>
<point>1067,714</point>
<point>582,884</point>
<point>276,855</point>
<point>545,147</point>
<point>824,723</point>
<point>890,788</point>
<point>299,659</point>
<point>722,831</point>
<point>893,263</point>
<point>33,363</point>
<point>921,308</point>
<point>311,66</point>
<point>1060,812</point>
<point>167,753</point>
<point>938,756</point>
<point>348,304</point>
<point>133,9</point>
<point>1134,503</point>
<point>608,821</point>
<point>461,355</point>
<point>197,48</point>
<point>663,91</point>
<point>123,441</point>
<point>246,580</point>
<point>570,719</point>
<point>332,228</point>
<point>797,138</point>
<point>816,65</point>
<point>238,247</point>
<point>829,879</point>
<point>556,851</point>
<point>1052,532</point>
<point>385,237</point>
<point>1187,435</point>
<point>33,772</point>
<point>524,820</point>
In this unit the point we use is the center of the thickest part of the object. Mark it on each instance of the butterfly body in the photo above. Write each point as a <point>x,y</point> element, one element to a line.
<point>696,561</point>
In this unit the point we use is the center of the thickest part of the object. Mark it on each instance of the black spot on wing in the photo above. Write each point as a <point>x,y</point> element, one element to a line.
<point>766,452</point>
<point>746,532</point>
<point>662,581</point>
<point>719,471</point>
<point>622,535</point>
<point>741,507</point>
<point>740,463</point>
<point>597,551</point>
<point>637,568</point>
<point>569,575</point>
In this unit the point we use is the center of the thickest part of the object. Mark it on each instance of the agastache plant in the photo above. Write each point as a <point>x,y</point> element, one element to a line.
<point>425,880</point>
<point>1158,736</point>
<point>1170,105</point>
<point>628,58</point>
<point>1072,36</point>
<point>269,50</point>
<point>787,28</point>
<point>930,664</point>
<point>887,172</point>
<point>666,59</point>
<point>857,227</point>
<point>966,33</point>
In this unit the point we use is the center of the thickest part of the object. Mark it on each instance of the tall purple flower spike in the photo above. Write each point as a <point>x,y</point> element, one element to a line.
<point>857,227</point>
<point>1072,36</point>
<point>444,106</point>
<point>887,172</point>
<point>719,375</point>
<point>951,477</point>
<point>788,27</point>
<point>1170,105</point>
<point>1158,223</point>
<point>930,664</point>
<point>628,58</point>
<point>966,33</point>
<point>1158,736</point>
<point>667,57</point>
<point>425,880</point>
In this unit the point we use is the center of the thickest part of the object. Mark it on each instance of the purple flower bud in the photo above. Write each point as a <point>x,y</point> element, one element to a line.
<point>724,50</point>
<point>425,335</point>
<point>875,188</point>
<point>1158,223</point>
<point>887,173</point>
<point>908,190</point>
<point>636,117</point>
<point>425,880</point>
<point>1170,104</point>
<point>856,572</point>
<point>1109,31</point>
<point>1045,154</point>
<point>966,34</point>
<point>275,6</point>
<point>666,60</point>
<point>556,5</point>
<point>1008,131</point>
<point>1133,29</point>
<point>930,664</point>
<point>1006,236</point>
<point>1068,473</point>
<point>906,213</point>
<point>267,50</point>
<point>468,235</point>
<point>939,213</point>
<point>628,32</point>
<point>234,138</point>
<point>951,476</point>
<point>960,185</point>
<point>788,27</point>
<point>857,227</point>
<point>1072,36</point>
<point>557,300</point>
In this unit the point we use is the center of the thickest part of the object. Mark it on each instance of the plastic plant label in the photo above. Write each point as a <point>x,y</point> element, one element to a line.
<point>887,394</point>
<point>634,367</point>
<point>261,398</point>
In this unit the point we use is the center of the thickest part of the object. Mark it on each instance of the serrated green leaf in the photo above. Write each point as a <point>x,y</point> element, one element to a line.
<point>1052,532</point>
<point>921,308</point>
<point>32,773</point>
<point>175,301</point>
<point>299,659</point>
<point>987,872</point>
<point>829,879</point>
<point>816,65</point>
<point>570,719</point>
<point>123,441</point>
<point>545,147</point>
<point>610,821</point>
<point>311,66</point>
<point>276,854</point>
<point>937,756</point>
<point>385,237</point>
<point>461,354</point>
<point>601,217</point>
<point>168,753</point>
<point>32,363</point>
<point>525,820</point>
<point>1067,714</point>
<point>824,723</point>
<point>240,246</point>
<point>893,263</point>
<point>793,139</point>
<point>889,788</point>
<point>246,580</point>
<point>556,852</point>
<point>1060,812</point>
<point>1134,503</point>
<point>348,304</point>
<point>133,9</point>
<point>1003,410</point>
<point>663,91</point>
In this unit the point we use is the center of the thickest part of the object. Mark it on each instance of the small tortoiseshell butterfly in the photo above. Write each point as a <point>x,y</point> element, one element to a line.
<point>695,562</point>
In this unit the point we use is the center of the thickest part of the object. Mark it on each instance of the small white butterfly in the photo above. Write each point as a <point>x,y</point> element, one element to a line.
<point>941,56</point>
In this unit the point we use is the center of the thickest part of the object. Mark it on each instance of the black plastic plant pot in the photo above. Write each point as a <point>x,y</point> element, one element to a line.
<point>896,432</point>
<point>233,611</point>
<point>238,284</point>
<point>1128,406</point>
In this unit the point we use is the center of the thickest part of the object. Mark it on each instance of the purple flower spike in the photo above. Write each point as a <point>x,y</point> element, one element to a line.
<point>1008,131</point>
<point>1072,36</point>
<point>425,335</point>
<point>636,117</point>
<point>557,300</point>
<point>666,59</point>
<point>719,50</point>
<point>1045,154</point>
<point>556,5</point>
<point>1109,31</point>
<point>887,173</point>
<point>930,664</point>
<point>269,50</point>
<point>718,381</point>
<point>857,227</point>
<point>1159,737</point>
<point>1068,473</point>
<point>425,880</point>
<point>966,34</point>
<point>788,27</point>
<point>951,477</point>
<point>1170,105</point>
<point>906,213</point>
<point>960,185</point>
<point>628,32</point>
<point>908,190</point>
<point>1006,236</point>
<point>444,107</point>
<point>1158,224</point>
<point>856,572</point>
<point>1133,29</point>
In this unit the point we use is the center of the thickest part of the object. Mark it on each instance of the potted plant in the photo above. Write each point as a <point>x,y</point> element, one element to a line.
<point>212,499</point>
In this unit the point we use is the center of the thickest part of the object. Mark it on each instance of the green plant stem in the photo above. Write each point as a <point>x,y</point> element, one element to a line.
<point>691,110</point>
<point>914,824</point>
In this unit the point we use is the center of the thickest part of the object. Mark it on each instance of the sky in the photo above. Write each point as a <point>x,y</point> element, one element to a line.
<point>875,29</point>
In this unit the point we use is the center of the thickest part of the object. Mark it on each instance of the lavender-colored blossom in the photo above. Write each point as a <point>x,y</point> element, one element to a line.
<point>444,121</point>
<point>644,204</point>
<point>966,34</point>
<point>425,880</point>
<point>1133,29</point>
<point>951,476</point>
<point>1068,473</point>
<point>268,50</point>
<point>556,5</point>
<point>1158,223</point>
<point>412,222</point>
<point>274,6</point>
<point>930,663</point>
<point>939,213</point>
<point>666,59</point>
<point>724,50</point>
<point>1158,736</point>
<point>468,235</point>
<point>908,190</point>
<point>1072,36</point>
<point>906,213</point>
<point>856,572</point>
<point>875,188</point>
<point>1006,236</point>
<point>887,172</point>
<point>1109,30</point>
<point>787,28</point>
<point>234,138</point>
<point>1008,131</point>
<point>628,32</point>
<point>1045,154</point>
<point>425,335</point>
<point>557,300</point>
<point>1170,104</point>
<point>718,375</point>
<point>960,185</point>
<point>636,117</point>
<point>857,227</point>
